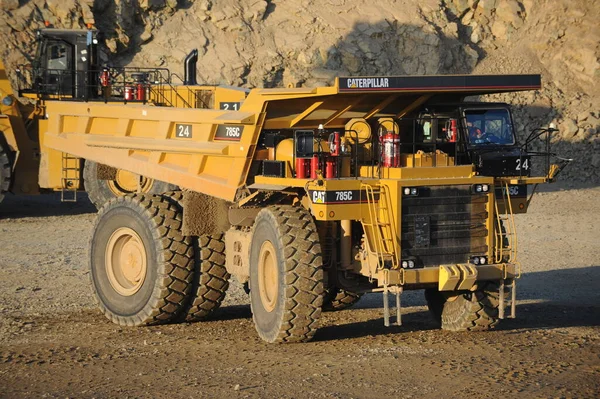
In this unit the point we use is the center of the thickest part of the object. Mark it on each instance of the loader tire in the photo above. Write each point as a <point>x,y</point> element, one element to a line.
<point>211,279</point>
<point>472,311</point>
<point>339,299</point>
<point>101,191</point>
<point>286,274</point>
<point>141,266</point>
<point>5,172</point>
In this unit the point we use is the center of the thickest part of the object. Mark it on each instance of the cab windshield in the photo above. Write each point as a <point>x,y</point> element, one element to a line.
<point>489,127</point>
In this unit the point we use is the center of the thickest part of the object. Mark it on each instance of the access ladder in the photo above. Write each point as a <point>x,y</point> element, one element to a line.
<point>505,249</point>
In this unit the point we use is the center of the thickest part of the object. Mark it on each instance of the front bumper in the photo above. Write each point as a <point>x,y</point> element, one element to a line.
<point>449,277</point>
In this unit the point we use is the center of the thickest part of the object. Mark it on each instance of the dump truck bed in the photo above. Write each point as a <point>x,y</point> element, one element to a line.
<point>211,150</point>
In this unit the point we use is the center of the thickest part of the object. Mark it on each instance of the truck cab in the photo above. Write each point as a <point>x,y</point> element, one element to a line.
<point>484,134</point>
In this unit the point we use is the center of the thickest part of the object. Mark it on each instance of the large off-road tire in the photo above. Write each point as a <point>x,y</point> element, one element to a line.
<point>100,191</point>
<point>472,311</point>
<point>339,299</point>
<point>5,171</point>
<point>141,266</point>
<point>211,279</point>
<point>286,274</point>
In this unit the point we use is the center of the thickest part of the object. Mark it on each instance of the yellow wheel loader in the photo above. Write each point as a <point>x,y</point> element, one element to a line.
<point>311,197</point>
<point>63,65</point>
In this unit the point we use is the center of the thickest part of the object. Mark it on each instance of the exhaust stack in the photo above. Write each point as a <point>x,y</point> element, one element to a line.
<point>189,71</point>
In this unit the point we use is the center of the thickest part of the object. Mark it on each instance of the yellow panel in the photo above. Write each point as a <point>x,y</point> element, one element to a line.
<point>449,278</point>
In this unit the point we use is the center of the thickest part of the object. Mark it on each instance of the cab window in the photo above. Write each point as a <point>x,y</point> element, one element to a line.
<point>58,56</point>
<point>491,126</point>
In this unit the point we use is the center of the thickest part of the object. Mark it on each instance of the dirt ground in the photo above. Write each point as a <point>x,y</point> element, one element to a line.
<point>55,343</point>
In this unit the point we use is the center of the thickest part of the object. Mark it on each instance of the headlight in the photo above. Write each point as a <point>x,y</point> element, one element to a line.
<point>481,188</point>
<point>411,264</point>
<point>479,260</point>
<point>404,264</point>
<point>412,191</point>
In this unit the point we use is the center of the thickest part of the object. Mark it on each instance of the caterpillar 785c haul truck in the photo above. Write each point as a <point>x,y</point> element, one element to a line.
<point>310,196</point>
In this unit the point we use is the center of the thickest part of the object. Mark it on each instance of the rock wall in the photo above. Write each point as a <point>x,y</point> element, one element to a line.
<point>257,43</point>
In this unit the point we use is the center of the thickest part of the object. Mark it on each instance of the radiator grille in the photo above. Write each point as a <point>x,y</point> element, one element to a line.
<point>443,225</point>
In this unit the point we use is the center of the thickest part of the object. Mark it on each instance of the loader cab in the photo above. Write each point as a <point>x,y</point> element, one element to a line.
<point>64,64</point>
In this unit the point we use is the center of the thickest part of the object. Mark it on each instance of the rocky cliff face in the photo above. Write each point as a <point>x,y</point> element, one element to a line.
<point>257,43</point>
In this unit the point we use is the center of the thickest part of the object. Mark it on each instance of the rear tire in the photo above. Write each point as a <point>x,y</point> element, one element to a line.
<point>286,274</point>
<point>211,279</point>
<point>141,266</point>
<point>101,191</point>
<point>472,311</point>
<point>339,299</point>
<point>5,171</point>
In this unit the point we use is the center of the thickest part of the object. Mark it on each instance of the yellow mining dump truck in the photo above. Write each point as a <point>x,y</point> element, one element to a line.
<point>309,196</point>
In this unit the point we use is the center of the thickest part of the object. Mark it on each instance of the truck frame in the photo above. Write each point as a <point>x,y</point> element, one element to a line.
<point>311,197</point>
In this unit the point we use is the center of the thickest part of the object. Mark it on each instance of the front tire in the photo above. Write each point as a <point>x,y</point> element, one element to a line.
<point>472,311</point>
<point>141,266</point>
<point>100,191</point>
<point>286,274</point>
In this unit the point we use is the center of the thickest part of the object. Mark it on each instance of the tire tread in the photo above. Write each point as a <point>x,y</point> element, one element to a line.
<point>176,258</point>
<point>303,272</point>
<point>476,311</point>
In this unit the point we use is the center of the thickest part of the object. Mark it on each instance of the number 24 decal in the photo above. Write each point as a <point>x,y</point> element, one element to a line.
<point>184,131</point>
<point>524,165</point>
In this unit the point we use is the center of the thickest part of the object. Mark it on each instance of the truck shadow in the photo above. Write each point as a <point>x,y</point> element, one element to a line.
<point>546,300</point>
<point>411,322</point>
<point>557,298</point>
<point>23,206</point>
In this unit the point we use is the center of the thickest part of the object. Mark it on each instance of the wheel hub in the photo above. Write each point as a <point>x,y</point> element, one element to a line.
<point>268,276</point>
<point>127,182</point>
<point>125,261</point>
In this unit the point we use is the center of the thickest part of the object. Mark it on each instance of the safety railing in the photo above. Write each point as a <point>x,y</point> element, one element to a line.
<point>114,84</point>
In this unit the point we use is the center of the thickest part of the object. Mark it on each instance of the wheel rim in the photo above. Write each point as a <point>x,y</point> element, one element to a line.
<point>127,182</point>
<point>268,284</point>
<point>125,261</point>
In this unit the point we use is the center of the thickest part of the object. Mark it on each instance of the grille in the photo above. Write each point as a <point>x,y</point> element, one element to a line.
<point>443,225</point>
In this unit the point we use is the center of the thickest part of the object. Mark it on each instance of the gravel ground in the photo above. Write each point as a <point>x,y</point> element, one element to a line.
<point>55,343</point>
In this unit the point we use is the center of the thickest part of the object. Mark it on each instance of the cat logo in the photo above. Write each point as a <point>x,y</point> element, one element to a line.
<point>318,197</point>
